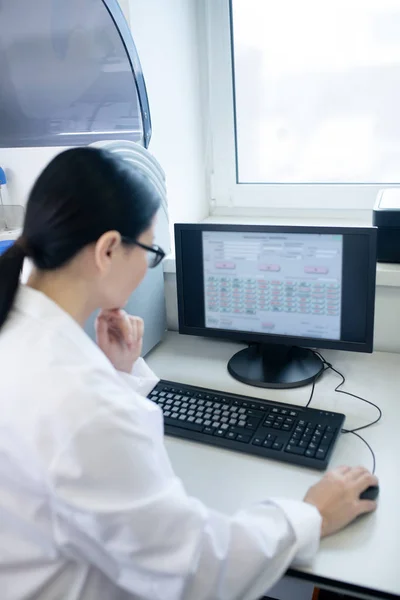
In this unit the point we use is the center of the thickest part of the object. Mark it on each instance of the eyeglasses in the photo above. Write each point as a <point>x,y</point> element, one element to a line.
<point>156,253</point>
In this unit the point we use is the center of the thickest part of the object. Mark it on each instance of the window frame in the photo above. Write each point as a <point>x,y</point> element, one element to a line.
<point>229,196</point>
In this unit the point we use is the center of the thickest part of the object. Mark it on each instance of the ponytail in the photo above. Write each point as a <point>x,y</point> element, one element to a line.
<point>11,263</point>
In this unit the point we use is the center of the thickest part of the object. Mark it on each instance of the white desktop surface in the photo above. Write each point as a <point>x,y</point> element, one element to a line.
<point>367,553</point>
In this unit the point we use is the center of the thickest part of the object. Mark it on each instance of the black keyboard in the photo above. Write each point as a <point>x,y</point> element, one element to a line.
<point>302,436</point>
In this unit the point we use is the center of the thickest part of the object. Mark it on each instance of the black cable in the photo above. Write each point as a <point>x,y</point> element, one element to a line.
<point>368,446</point>
<point>313,386</point>
<point>312,393</point>
<point>329,366</point>
<point>339,391</point>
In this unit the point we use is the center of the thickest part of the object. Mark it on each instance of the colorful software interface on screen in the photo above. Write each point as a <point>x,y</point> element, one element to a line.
<point>280,284</point>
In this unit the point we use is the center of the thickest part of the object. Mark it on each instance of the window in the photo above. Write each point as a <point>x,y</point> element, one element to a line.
<point>304,101</point>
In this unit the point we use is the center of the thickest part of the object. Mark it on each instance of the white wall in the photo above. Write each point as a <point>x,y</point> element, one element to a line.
<point>166,36</point>
<point>165,32</point>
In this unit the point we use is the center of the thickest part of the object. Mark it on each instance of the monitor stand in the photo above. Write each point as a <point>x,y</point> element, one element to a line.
<point>275,366</point>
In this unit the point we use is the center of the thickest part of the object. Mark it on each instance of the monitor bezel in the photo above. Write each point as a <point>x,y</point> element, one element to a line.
<point>262,338</point>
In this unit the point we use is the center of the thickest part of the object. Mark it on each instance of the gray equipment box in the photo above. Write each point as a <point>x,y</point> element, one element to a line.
<point>386,218</point>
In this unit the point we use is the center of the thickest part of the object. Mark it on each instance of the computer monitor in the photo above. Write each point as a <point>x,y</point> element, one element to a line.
<point>283,290</point>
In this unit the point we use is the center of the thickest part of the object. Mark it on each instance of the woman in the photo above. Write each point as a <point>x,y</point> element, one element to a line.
<point>90,507</point>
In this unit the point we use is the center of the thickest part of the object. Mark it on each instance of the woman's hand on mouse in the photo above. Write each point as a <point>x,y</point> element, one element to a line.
<point>120,336</point>
<point>337,497</point>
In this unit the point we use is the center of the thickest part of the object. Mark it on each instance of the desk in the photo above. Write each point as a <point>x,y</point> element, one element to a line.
<point>364,559</point>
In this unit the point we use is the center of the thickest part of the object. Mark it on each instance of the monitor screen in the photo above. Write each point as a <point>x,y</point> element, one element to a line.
<point>281,283</point>
<point>303,286</point>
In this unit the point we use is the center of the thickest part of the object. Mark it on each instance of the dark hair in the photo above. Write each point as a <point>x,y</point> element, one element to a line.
<point>81,194</point>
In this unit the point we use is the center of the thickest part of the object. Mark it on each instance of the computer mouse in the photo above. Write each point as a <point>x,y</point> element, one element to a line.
<point>371,493</point>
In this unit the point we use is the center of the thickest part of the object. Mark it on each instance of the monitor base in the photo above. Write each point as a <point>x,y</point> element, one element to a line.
<point>275,366</point>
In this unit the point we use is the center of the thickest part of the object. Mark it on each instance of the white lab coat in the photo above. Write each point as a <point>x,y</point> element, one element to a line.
<point>90,508</point>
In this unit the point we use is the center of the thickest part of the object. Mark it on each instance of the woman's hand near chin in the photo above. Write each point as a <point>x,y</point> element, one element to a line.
<point>120,336</point>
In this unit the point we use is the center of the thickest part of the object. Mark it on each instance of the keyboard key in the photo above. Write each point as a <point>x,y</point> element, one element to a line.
<point>232,421</point>
<point>242,411</point>
<point>209,404</point>
<point>294,450</point>
<point>257,441</point>
<point>277,425</point>
<point>277,446</point>
<point>302,423</point>
<point>242,423</point>
<point>331,429</point>
<point>216,424</point>
<point>207,423</point>
<point>208,430</point>
<point>327,439</point>
<point>175,415</point>
<point>309,453</point>
<point>246,404</point>
<point>268,444</point>
<point>271,436</point>
<point>284,411</point>
<point>293,442</point>
<point>184,425</point>
<point>275,411</point>
<point>199,421</point>
<point>219,433</point>
<point>286,427</point>
<point>321,453</point>
<point>293,413</point>
<point>231,435</point>
<point>268,423</point>
<point>182,418</point>
<point>167,413</point>
<point>255,413</point>
<point>245,439</point>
